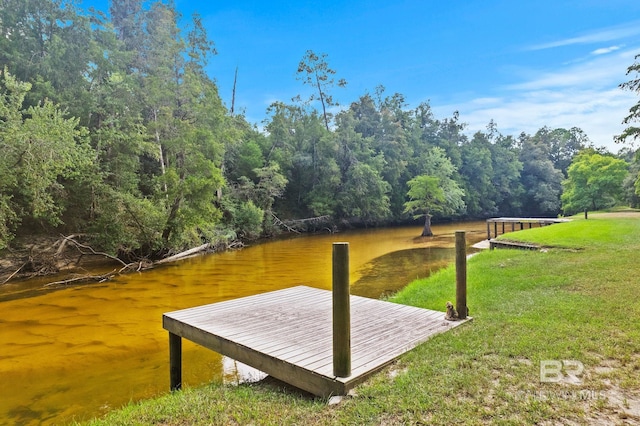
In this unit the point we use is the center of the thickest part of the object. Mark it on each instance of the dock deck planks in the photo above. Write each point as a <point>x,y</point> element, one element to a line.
<point>288,334</point>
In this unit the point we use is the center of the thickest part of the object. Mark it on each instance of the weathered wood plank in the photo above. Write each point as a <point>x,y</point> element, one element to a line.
<point>303,379</point>
<point>288,334</point>
<point>399,332</point>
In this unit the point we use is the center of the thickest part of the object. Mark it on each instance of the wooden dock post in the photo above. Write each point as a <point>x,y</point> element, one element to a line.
<point>175,362</point>
<point>341,311</point>
<point>461,274</point>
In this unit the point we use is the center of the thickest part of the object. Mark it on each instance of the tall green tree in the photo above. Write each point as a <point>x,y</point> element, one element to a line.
<point>50,45</point>
<point>366,115</point>
<point>540,179</point>
<point>250,205</point>
<point>631,183</point>
<point>391,141</point>
<point>450,135</point>
<point>42,150</point>
<point>562,145</point>
<point>477,174</point>
<point>364,195</point>
<point>425,196</point>
<point>160,129</point>
<point>128,20</point>
<point>306,152</point>
<point>435,193</point>
<point>632,131</point>
<point>314,70</point>
<point>594,182</point>
<point>506,180</point>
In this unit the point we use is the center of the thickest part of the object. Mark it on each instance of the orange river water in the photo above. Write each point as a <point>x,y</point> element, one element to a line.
<point>77,352</point>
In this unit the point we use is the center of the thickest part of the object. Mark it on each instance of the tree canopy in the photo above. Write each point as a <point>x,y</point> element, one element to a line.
<point>632,131</point>
<point>594,182</point>
<point>111,126</point>
<point>435,193</point>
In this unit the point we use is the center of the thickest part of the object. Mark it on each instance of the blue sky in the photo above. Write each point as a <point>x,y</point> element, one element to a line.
<point>524,64</point>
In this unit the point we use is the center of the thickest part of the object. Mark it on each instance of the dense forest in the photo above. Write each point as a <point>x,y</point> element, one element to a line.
<point>110,128</point>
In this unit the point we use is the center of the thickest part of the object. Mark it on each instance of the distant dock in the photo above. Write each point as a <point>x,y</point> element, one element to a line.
<point>520,221</point>
<point>288,335</point>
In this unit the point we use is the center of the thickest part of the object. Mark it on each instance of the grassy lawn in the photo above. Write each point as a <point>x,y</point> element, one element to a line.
<point>576,300</point>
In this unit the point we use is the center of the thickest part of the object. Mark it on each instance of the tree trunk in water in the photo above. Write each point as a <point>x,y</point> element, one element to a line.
<point>426,232</point>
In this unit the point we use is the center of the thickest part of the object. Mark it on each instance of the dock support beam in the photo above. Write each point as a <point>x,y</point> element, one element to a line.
<point>175,362</point>
<point>341,311</point>
<point>461,274</point>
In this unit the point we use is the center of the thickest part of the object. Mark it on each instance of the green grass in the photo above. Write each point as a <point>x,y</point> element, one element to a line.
<point>577,302</point>
<point>578,233</point>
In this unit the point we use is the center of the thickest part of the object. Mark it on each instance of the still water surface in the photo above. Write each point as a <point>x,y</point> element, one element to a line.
<point>78,352</point>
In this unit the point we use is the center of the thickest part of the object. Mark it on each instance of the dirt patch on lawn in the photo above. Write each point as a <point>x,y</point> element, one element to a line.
<point>623,214</point>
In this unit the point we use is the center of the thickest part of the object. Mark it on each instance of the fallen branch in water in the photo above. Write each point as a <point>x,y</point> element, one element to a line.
<point>137,266</point>
<point>134,266</point>
<point>62,243</point>
<point>96,253</point>
<point>278,222</point>
<point>84,278</point>
<point>67,254</point>
<point>14,274</point>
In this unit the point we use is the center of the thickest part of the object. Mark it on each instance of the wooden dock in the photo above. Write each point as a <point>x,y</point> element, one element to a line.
<point>288,335</point>
<point>521,222</point>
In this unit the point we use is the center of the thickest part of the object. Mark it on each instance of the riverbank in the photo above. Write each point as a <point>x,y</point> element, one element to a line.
<point>576,302</point>
<point>67,258</point>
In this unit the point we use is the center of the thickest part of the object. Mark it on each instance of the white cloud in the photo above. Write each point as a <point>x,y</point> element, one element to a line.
<point>585,95</point>
<point>605,50</point>
<point>598,71</point>
<point>598,113</point>
<point>619,32</point>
